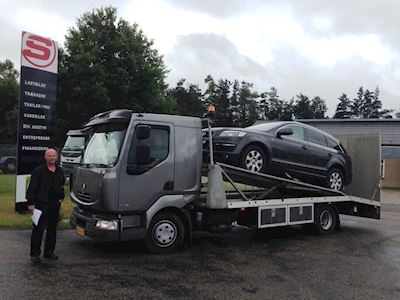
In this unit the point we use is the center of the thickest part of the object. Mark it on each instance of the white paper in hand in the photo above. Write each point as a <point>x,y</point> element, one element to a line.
<point>36,216</point>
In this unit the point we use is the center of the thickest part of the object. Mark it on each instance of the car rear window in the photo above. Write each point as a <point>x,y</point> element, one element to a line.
<point>315,137</point>
<point>332,144</point>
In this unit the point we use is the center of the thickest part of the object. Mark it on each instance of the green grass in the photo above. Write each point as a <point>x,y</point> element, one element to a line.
<point>8,216</point>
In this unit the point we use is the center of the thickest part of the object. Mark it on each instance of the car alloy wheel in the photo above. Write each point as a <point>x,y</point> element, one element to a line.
<point>254,161</point>
<point>335,180</point>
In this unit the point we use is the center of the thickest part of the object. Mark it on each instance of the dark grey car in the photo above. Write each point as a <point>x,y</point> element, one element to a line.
<point>288,149</point>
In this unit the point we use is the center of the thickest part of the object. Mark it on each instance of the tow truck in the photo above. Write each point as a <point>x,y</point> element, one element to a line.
<point>143,177</point>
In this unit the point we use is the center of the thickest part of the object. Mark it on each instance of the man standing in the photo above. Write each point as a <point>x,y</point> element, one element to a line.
<point>46,193</point>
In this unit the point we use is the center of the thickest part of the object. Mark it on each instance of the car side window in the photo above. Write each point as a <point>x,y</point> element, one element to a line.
<point>298,132</point>
<point>315,137</point>
<point>158,142</point>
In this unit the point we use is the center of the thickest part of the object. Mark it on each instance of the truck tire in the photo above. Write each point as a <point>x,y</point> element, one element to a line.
<point>165,234</point>
<point>254,159</point>
<point>326,219</point>
<point>9,166</point>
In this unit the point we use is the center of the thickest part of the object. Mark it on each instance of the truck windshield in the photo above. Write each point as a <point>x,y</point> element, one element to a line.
<point>75,142</point>
<point>105,144</point>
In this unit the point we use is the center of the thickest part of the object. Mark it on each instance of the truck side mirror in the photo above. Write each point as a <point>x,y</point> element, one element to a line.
<point>142,132</point>
<point>142,154</point>
<point>284,131</point>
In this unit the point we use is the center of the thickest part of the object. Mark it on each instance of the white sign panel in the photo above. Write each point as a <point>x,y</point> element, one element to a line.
<point>39,52</point>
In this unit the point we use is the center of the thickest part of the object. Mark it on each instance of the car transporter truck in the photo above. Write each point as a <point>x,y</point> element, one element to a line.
<point>143,177</point>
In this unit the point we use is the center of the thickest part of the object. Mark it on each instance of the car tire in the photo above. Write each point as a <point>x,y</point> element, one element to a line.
<point>335,179</point>
<point>165,234</point>
<point>9,166</point>
<point>326,220</point>
<point>253,158</point>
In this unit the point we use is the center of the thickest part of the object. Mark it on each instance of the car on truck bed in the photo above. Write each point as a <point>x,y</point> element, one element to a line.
<point>287,149</point>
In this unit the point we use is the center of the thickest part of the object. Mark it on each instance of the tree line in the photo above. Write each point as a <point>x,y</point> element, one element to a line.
<point>106,63</point>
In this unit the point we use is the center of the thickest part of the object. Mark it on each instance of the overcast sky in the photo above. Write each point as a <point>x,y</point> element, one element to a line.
<point>314,47</point>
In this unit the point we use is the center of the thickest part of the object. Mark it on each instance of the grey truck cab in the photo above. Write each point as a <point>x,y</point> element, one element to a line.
<point>137,169</point>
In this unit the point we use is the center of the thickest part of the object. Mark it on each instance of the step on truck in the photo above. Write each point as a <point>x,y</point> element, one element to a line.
<point>143,177</point>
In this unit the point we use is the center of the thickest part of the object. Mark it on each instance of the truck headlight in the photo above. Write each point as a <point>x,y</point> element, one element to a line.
<point>107,225</point>
<point>232,133</point>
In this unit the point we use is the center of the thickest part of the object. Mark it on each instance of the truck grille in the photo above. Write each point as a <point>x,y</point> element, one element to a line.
<point>84,197</point>
<point>71,154</point>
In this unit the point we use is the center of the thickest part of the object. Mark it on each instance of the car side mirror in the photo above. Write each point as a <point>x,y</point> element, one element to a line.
<point>284,131</point>
<point>142,132</point>
<point>142,154</point>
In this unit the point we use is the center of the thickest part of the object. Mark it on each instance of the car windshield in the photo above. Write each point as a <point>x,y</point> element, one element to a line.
<point>105,144</point>
<point>75,142</point>
<point>264,126</point>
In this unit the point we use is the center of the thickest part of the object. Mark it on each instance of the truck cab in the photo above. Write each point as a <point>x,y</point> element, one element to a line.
<point>134,167</point>
<point>72,152</point>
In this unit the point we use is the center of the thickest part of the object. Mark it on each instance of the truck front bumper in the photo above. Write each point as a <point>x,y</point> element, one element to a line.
<point>84,223</point>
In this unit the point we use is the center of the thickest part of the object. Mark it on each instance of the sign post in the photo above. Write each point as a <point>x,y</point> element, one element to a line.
<point>37,107</point>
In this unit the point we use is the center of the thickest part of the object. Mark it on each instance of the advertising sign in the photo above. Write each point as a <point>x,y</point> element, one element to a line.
<point>37,105</point>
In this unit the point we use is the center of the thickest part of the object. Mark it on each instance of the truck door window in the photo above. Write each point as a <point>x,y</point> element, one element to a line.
<point>158,143</point>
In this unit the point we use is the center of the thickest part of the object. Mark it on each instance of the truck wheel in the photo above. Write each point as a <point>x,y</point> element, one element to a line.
<point>165,234</point>
<point>9,166</point>
<point>335,179</point>
<point>254,159</point>
<point>325,219</point>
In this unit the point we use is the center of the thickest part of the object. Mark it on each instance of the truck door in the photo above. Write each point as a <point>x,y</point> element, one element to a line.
<point>139,189</point>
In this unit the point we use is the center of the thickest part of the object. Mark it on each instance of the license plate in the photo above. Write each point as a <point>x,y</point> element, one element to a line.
<point>80,230</point>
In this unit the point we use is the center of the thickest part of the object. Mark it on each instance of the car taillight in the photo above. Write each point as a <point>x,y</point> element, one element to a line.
<point>348,160</point>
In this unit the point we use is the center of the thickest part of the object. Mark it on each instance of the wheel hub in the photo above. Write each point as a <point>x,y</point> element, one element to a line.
<point>326,220</point>
<point>164,233</point>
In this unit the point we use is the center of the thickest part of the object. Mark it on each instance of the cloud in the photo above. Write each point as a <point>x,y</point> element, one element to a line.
<point>291,72</point>
<point>197,55</point>
<point>311,46</point>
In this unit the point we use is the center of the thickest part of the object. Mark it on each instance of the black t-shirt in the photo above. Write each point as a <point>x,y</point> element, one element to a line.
<point>45,186</point>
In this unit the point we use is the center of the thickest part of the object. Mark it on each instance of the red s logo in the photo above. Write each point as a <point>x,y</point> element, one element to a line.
<point>37,50</point>
<point>33,42</point>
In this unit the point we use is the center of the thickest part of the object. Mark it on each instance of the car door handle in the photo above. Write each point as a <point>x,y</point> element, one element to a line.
<point>304,147</point>
<point>330,154</point>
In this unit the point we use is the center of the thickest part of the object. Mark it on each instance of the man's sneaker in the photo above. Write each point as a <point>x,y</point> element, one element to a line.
<point>50,256</point>
<point>35,259</point>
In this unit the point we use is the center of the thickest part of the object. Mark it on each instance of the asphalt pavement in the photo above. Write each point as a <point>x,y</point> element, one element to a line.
<point>361,261</point>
